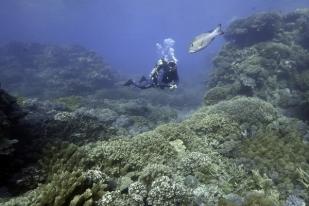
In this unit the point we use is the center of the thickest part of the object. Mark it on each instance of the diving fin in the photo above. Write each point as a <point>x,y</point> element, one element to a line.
<point>128,83</point>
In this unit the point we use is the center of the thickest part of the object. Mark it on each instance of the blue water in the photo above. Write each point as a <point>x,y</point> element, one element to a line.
<point>125,32</point>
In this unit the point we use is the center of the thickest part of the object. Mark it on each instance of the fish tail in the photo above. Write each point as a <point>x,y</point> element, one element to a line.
<point>219,30</point>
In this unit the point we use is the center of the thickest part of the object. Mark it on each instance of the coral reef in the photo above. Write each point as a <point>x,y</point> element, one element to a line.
<point>73,75</point>
<point>75,119</point>
<point>241,148</point>
<point>254,29</point>
<point>106,118</point>
<point>265,56</point>
<point>177,163</point>
<point>47,71</point>
<point>16,154</point>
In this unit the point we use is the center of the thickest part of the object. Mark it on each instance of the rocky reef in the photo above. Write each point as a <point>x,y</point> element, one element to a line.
<point>246,146</point>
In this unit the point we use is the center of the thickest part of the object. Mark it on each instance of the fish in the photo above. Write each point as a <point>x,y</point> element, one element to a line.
<point>203,40</point>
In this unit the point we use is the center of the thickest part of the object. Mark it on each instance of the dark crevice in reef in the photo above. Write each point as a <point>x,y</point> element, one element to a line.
<point>304,112</point>
<point>16,145</point>
<point>246,91</point>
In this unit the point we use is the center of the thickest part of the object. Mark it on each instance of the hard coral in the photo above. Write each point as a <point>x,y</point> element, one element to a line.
<point>274,68</point>
<point>246,110</point>
<point>166,192</point>
<point>256,28</point>
<point>32,69</point>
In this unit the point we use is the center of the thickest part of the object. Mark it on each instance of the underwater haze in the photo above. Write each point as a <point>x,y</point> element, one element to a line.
<point>125,32</point>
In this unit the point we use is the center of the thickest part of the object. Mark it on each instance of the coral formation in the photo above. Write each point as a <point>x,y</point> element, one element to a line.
<point>274,69</point>
<point>32,69</point>
<point>151,169</point>
<point>256,28</point>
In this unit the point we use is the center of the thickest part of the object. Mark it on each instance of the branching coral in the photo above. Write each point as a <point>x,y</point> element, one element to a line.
<point>303,177</point>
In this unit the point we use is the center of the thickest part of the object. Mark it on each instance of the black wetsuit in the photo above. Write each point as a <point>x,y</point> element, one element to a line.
<point>164,75</point>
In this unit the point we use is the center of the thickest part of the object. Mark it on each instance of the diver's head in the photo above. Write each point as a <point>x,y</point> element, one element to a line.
<point>171,64</point>
<point>161,61</point>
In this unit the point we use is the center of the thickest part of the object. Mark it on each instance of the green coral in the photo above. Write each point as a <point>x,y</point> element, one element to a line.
<point>216,94</point>
<point>158,166</point>
<point>280,162</point>
<point>146,157</point>
<point>153,171</point>
<point>260,198</point>
<point>65,188</point>
<point>252,111</point>
<point>252,198</point>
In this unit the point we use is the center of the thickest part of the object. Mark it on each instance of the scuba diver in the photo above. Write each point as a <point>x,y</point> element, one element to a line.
<point>163,75</point>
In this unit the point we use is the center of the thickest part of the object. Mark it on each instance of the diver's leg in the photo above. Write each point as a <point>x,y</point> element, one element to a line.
<point>146,84</point>
<point>128,83</point>
<point>143,78</point>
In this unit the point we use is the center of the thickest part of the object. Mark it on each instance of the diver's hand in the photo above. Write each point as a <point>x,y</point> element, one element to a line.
<point>173,86</point>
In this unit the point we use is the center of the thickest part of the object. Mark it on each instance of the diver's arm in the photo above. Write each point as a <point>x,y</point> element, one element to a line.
<point>175,82</point>
<point>160,75</point>
<point>153,72</point>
